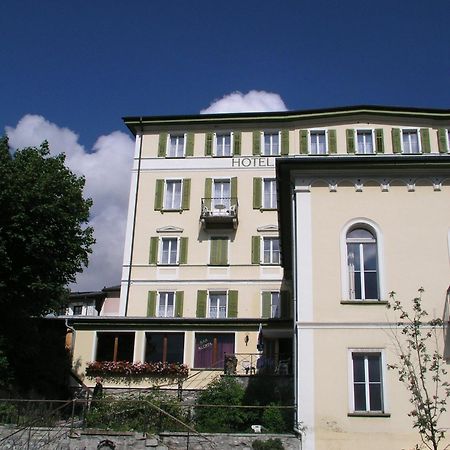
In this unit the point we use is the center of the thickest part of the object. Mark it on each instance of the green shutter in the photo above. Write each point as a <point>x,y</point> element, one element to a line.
<point>151,304</point>
<point>266,303</point>
<point>256,143</point>
<point>285,142</point>
<point>284,303</point>
<point>350,134</point>
<point>162,146</point>
<point>256,248</point>
<point>201,303</point>
<point>153,254</point>
<point>396,140</point>
<point>425,140</point>
<point>190,144</point>
<point>234,187</point>
<point>237,143</point>
<point>159,193</point>
<point>186,194</point>
<point>179,300</point>
<point>232,304</point>
<point>183,250</point>
<point>208,144</point>
<point>218,251</point>
<point>257,193</point>
<point>379,140</point>
<point>442,140</point>
<point>304,142</point>
<point>208,192</point>
<point>332,144</point>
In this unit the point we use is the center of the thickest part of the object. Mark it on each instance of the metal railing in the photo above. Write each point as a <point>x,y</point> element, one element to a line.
<point>257,364</point>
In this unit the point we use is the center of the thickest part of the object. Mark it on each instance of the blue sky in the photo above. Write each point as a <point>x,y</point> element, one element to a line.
<point>72,69</point>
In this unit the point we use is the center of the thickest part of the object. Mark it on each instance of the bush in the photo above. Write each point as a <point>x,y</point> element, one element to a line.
<point>270,444</point>
<point>272,419</point>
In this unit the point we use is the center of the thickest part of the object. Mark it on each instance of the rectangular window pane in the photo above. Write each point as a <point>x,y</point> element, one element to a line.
<point>270,194</point>
<point>275,305</point>
<point>172,199</point>
<point>164,347</point>
<point>217,305</point>
<point>371,285</point>
<point>176,146</point>
<point>271,144</point>
<point>221,195</point>
<point>365,141</point>
<point>166,304</point>
<point>271,251</point>
<point>358,368</point>
<point>360,397</point>
<point>375,397</point>
<point>169,250</point>
<point>210,349</point>
<point>367,382</point>
<point>223,144</point>
<point>410,141</point>
<point>115,347</point>
<point>318,143</point>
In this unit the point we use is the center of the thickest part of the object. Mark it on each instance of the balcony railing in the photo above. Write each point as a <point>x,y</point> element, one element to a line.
<point>257,364</point>
<point>219,212</point>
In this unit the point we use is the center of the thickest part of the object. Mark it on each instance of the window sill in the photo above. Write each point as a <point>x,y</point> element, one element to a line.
<point>364,302</point>
<point>171,210</point>
<point>268,209</point>
<point>167,265</point>
<point>368,414</point>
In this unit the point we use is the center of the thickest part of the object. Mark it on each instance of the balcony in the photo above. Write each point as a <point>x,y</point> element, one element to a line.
<point>219,213</point>
<point>257,364</point>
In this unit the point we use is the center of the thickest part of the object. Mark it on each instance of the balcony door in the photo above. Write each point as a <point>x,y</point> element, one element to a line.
<point>221,196</point>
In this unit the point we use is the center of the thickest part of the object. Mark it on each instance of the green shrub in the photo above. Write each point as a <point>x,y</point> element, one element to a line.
<point>270,444</point>
<point>272,419</point>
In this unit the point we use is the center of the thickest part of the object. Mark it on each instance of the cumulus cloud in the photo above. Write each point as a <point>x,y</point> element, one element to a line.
<point>253,101</point>
<point>107,168</point>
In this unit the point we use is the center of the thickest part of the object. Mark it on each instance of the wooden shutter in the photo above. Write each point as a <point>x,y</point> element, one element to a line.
<point>442,140</point>
<point>208,144</point>
<point>183,250</point>
<point>218,251</point>
<point>208,192</point>
<point>179,300</point>
<point>151,304</point>
<point>237,143</point>
<point>266,304</point>
<point>350,134</point>
<point>332,144</point>
<point>304,142</point>
<point>186,194</point>
<point>425,140</point>
<point>256,143</point>
<point>162,146</point>
<point>256,249</point>
<point>285,142</point>
<point>234,186</point>
<point>159,194</point>
<point>285,306</point>
<point>232,304</point>
<point>396,140</point>
<point>153,254</point>
<point>201,303</point>
<point>257,193</point>
<point>190,144</point>
<point>379,140</point>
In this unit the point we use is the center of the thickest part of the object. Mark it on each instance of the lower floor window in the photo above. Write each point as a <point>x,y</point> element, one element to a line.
<point>164,347</point>
<point>115,346</point>
<point>210,349</point>
<point>367,382</point>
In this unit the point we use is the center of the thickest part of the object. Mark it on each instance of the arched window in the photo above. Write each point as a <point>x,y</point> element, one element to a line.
<point>362,264</point>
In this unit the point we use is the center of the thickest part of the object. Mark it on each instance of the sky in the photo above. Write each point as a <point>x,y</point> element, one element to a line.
<point>73,69</point>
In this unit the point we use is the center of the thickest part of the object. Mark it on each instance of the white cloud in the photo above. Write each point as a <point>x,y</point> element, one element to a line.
<point>107,169</point>
<point>253,101</point>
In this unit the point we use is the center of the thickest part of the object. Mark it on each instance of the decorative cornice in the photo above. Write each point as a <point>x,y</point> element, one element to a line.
<point>267,228</point>
<point>169,229</point>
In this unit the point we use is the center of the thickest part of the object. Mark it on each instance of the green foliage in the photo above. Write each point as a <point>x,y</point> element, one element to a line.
<point>422,369</point>
<point>272,419</point>
<point>224,391</point>
<point>270,444</point>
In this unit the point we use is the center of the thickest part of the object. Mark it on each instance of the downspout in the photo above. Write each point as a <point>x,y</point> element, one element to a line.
<point>134,216</point>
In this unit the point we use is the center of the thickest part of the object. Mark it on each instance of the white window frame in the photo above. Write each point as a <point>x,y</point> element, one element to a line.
<point>172,206</point>
<point>169,145</point>
<point>161,251</point>
<point>164,296</point>
<point>362,222</point>
<point>216,146</point>
<point>372,133</point>
<point>273,193</point>
<point>217,306</point>
<point>314,131</point>
<point>351,396</point>
<point>83,310</point>
<point>277,313</point>
<point>225,202</point>
<point>263,143</point>
<point>419,143</point>
<point>271,251</point>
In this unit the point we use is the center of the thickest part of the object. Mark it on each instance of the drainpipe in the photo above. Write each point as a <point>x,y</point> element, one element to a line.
<point>134,216</point>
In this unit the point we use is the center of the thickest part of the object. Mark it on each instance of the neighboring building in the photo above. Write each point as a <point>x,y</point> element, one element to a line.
<point>94,303</point>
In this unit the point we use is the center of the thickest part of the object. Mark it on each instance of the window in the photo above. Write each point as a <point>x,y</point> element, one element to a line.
<point>169,251</point>
<point>318,142</point>
<point>362,263</point>
<point>271,250</point>
<point>410,141</point>
<point>367,381</point>
<point>271,304</point>
<point>217,305</point>
<point>221,195</point>
<point>269,193</point>
<point>223,144</point>
<point>166,305</point>
<point>78,310</point>
<point>364,141</point>
<point>172,197</point>
<point>115,346</point>
<point>164,347</point>
<point>271,143</point>
<point>210,349</point>
<point>176,146</point>
<point>219,251</point>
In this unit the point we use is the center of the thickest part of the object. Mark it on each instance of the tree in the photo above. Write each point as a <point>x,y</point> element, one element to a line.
<point>421,368</point>
<point>44,239</point>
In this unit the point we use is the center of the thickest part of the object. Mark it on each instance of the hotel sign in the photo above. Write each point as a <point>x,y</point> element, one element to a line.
<point>253,162</point>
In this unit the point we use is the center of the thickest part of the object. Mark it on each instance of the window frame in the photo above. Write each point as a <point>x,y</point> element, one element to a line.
<point>218,307</point>
<point>317,131</point>
<point>419,143</point>
<point>217,363</point>
<point>166,335</point>
<point>116,335</point>
<point>172,207</point>
<point>273,193</point>
<point>373,139</point>
<point>159,302</point>
<point>271,261</point>
<point>77,306</point>
<point>162,240</point>
<point>216,146</point>
<point>169,145</point>
<point>263,142</point>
